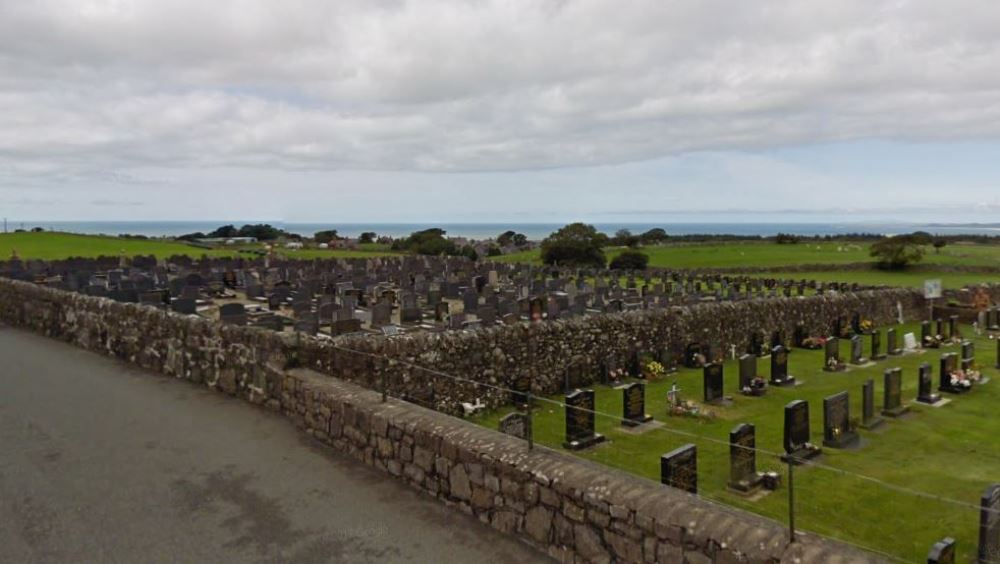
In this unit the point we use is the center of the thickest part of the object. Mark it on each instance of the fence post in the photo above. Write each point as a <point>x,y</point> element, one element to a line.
<point>530,429</point>
<point>791,499</point>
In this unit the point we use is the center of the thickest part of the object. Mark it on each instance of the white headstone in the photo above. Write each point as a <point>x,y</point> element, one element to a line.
<point>910,342</point>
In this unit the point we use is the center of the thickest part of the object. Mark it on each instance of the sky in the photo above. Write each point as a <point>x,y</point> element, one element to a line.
<point>506,110</point>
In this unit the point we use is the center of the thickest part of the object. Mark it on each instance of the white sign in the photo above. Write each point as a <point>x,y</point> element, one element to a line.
<point>932,289</point>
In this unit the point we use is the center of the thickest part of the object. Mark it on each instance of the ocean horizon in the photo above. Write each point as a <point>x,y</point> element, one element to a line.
<point>534,231</point>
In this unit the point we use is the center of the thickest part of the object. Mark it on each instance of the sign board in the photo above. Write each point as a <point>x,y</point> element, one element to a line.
<point>932,289</point>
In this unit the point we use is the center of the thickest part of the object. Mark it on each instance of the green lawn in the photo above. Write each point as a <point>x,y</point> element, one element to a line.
<point>948,451</point>
<point>54,245</point>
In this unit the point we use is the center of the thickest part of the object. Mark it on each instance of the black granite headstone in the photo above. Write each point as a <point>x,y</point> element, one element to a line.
<point>925,393</point>
<point>989,525</point>
<point>837,431</point>
<point>892,405</point>
<point>713,379</point>
<point>679,468</point>
<point>580,420</point>
<point>634,404</point>
<point>743,475</point>
<point>796,437</point>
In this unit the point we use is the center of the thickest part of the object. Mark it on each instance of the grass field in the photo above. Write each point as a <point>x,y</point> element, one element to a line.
<point>53,245</point>
<point>756,254</point>
<point>947,451</point>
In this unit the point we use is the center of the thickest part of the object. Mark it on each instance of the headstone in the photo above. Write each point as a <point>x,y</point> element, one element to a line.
<point>989,525</point>
<point>857,351</point>
<point>580,421</point>
<point>877,353</point>
<point>749,384</point>
<point>892,344</point>
<point>837,431</point>
<point>679,468</point>
<point>968,351</point>
<point>796,435</point>
<point>925,388</point>
<point>743,475</point>
<point>713,379</point>
<point>909,342</point>
<point>515,424</point>
<point>869,420</point>
<point>779,367</point>
<point>949,364</point>
<point>892,405</point>
<point>634,405</point>
<point>831,355</point>
<point>943,552</point>
<point>233,314</point>
<point>184,305</point>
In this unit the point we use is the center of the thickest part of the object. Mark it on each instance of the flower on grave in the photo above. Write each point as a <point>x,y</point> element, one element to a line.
<point>654,370</point>
<point>866,325</point>
<point>836,432</point>
<point>616,375</point>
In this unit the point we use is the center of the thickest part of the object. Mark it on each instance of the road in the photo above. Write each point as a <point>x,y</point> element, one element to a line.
<point>102,462</point>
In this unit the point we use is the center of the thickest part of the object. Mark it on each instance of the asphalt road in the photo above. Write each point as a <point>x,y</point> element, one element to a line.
<point>101,462</point>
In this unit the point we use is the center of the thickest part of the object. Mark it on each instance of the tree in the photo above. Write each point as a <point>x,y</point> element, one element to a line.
<point>426,242</point>
<point>493,251</point>
<point>939,244</point>
<point>326,236</point>
<point>625,238</point>
<point>576,244</point>
<point>786,239</point>
<point>367,237</point>
<point>921,238</point>
<point>508,238</point>
<point>260,231</point>
<point>224,232</point>
<point>654,236</point>
<point>630,260</point>
<point>895,253</point>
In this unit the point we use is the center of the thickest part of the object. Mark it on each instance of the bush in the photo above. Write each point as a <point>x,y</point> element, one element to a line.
<point>895,253</point>
<point>630,260</point>
<point>326,236</point>
<point>654,236</point>
<point>577,244</point>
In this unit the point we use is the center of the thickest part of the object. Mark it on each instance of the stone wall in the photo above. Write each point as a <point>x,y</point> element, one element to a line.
<point>572,509</point>
<point>541,352</point>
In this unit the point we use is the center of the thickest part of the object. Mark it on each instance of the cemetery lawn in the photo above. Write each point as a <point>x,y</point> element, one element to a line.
<point>949,451</point>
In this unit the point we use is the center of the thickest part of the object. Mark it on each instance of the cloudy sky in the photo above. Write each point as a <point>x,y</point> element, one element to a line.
<point>507,110</point>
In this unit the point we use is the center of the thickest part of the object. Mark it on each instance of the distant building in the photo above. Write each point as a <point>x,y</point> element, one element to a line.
<point>227,240</point>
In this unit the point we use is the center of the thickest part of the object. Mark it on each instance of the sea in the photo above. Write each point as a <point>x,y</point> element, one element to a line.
<point>533,231</point>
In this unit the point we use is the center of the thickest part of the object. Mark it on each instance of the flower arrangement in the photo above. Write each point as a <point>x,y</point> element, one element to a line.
<point>933,341</point>
<point>866,326</point>
<point>653,370</point>
<point>754,387</point>
<point>965,378</point>
<point>616,375</point>
<point>813,343</point>
<point>834,364</point>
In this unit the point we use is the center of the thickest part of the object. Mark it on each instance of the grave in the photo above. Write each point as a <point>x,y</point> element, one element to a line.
<point>713,380</point>
<point>634,405</point>
<point>750,383</point>
<point>679,468</point>
<point>837,432</point>
<point>876,338</point>
<point>831,356</point>
<point>515,424</point>
<point>989,524</point>
<point>796,434</point>
<point>779,367</point>
<point>892,405</point>
<point>857,351</point>
<point>947,382</point>
<point>943,552</point>
<point>892,344</point>
<point>925,386</point>
<point>743,475</point>
<point>869,419</point>
<point>580,421</point>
